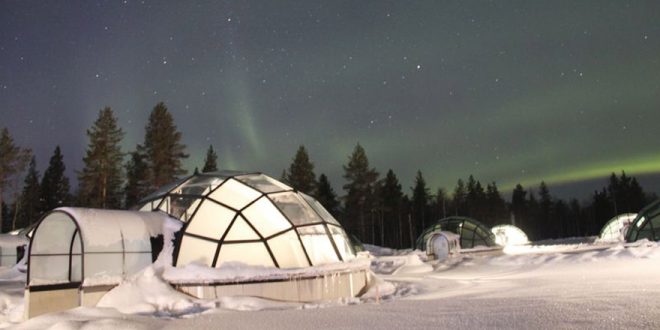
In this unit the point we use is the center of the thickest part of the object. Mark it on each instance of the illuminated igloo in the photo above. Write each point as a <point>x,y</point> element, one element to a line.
<point>250,218</point>
<point>237,219</point>
<point>616,228</point>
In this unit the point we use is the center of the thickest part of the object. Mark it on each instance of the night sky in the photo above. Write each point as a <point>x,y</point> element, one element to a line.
<point>510,91</point>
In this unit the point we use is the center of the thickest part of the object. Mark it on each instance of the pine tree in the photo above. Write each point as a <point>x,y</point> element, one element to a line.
<point>420,202</point>
<point>327,196</point>
<point>100,180</point>
<point>211,161</point>
<point>459,198</point>
<point>55,185</point>
<point>360,188</point>
<point>547,223</point>
<point>29,206</point>
<point>441,204</point>
<point>519,208</point>
<point>136,179</point>
<point>496,207</point>
<point>162,148</point>
<point>390,198</point>
<point>301,172</point>
<point>13,160</point>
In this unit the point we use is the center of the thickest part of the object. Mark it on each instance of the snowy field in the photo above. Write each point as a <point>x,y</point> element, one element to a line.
<point>552,286</point>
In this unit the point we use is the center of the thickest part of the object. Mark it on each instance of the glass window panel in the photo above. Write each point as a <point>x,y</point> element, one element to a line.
<point>163,190</point>
<point>76,268</point>
<point>466,243</point>
<point>103,264</point>
<point>180,207</point>
<point>198,185</point>
<point>135,262</point>
<point>288,250</point>
<point>211,220</point>
<point>266,218</point>
<point>45,269</point>
<point>240,230</point>
<point>342,242</point>
<point>54,230</point>
<point>320,209</point>
<point>196,250</point>
<point>295,208</point>
<point>235,194</point>
<point>263,183</point>
<point>318,245</point>
<point>254,254</point>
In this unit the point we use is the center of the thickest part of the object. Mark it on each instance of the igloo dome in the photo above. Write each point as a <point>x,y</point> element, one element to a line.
<point>249,218</point>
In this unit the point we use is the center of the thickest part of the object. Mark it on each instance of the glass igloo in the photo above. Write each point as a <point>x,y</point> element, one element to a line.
<point>615,229</point>
<point>472,232</point>
<point>646,224</point>
<point>249,218</point>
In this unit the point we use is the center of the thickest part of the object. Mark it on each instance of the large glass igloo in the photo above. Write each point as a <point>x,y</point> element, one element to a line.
<point>646,225</point>
<point>249,218</point>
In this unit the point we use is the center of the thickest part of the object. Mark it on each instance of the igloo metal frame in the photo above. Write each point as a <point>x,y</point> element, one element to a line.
<point>266,188</point>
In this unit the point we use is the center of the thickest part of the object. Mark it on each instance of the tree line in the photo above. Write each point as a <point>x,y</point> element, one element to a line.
<point>375,209</point>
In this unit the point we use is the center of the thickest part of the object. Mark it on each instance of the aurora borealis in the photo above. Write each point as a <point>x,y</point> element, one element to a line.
<point>509,91</point>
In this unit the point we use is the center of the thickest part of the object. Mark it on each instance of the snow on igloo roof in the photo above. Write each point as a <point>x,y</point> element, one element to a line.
<point>249,218</point>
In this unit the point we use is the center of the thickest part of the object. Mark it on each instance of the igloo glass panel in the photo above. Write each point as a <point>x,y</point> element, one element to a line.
<point>342,242</point>
<point>196,250</point>
<point>288,251</point>
<point>103,264</point>
<point>199,185</point>
<point>149,206</point>
<point>180,207</point>
<point>254,254</point>
<point>263,183</point>
<point>54,228</point>
<point>135,262</point>
<point>49,269</point>
<point>211,220</point>
<point>295,208</point>
<point>163,190</point>
<point>241,231</point>
<point>318,245</point>
<point>266,218</point>
<point>234,194</point>
<point>320,209</point>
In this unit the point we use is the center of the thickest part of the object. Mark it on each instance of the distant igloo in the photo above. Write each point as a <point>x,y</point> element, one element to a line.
<point>249,218</point>
<point>472,232</point>
<point>646,225</point>
<point>616,228</point>
<point>506,235</point>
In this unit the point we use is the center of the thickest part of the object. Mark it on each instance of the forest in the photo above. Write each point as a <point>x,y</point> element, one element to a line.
<point>374,207</point>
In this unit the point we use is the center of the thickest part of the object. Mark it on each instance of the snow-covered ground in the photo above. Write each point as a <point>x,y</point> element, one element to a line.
<point>577,285</point>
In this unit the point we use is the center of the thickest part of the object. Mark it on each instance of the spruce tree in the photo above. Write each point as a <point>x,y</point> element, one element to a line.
<point>390,196</point>
<point>55,185</point>
<point>496,206</point>
<point>360,188</point>
<point>136,179</point>
<point>29,204</point>
<point>547,223</point>
<point>420,202</point>
<point>459,199</point>
<point>100,181</point>
<point>162,148</point>
<point>441,204</point>
<point>327,196</point>
<point>301,172</point>
<point>519,207</point>
<point>211,161</point>
<point>13,160</point>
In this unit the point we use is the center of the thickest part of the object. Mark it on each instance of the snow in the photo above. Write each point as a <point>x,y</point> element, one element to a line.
<point>558,284</point>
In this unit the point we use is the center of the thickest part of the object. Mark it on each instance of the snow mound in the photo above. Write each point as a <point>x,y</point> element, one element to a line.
<point>147,293</point>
